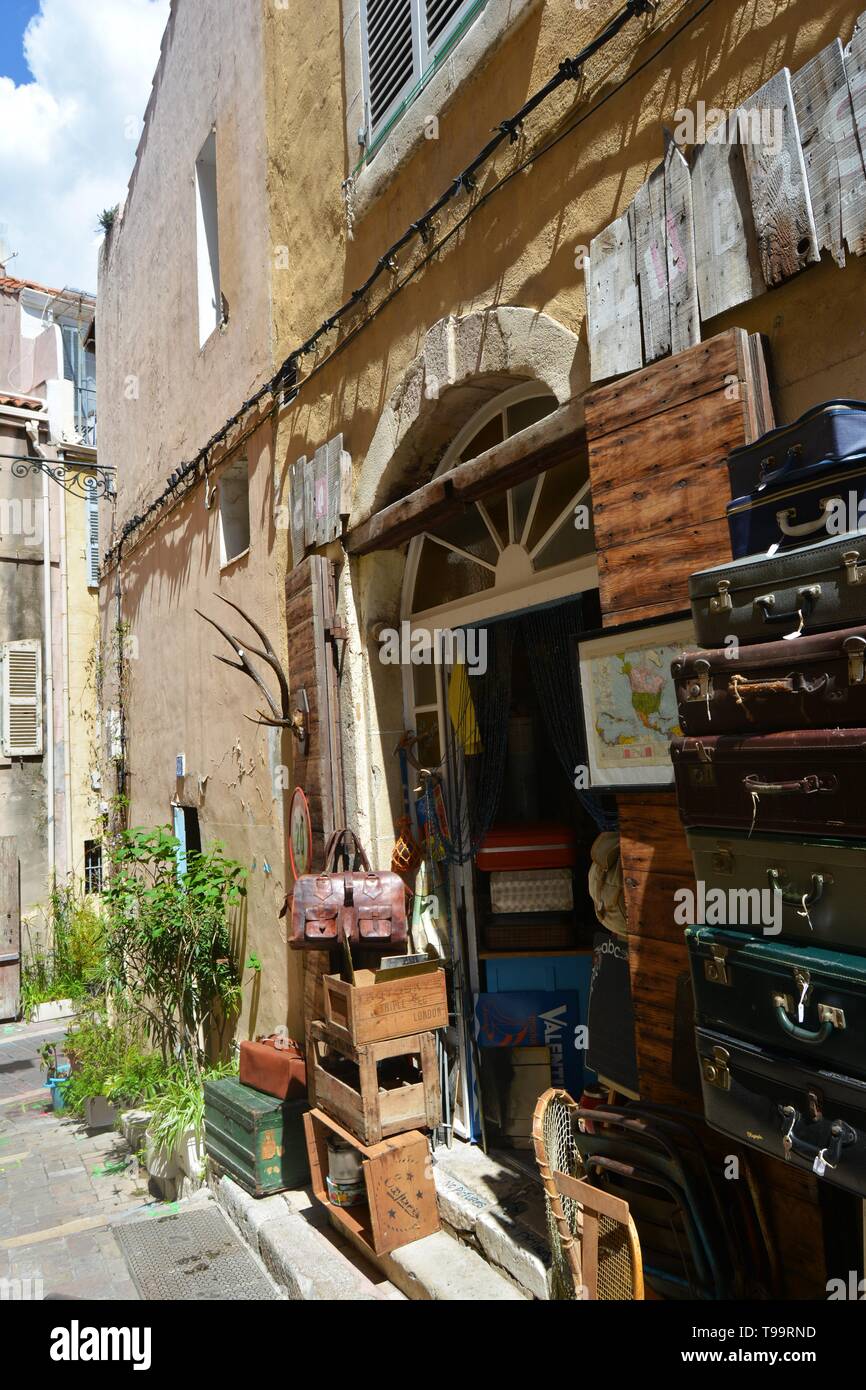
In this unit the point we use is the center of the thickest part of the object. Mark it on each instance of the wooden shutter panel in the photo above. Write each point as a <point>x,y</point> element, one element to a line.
<point>22,699</point>
<point>389,54</point>
<point>313,684</point>
<point>92,524</point>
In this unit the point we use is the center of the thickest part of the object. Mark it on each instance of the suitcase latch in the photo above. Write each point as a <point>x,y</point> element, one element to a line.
<point>716,969</point>
<point>855,648</point>
<point>853,572</point>
<point>722,602</point>
<point>699,687</point>
<point>715,1069</point>
<point>828,1014</point>
<point>723,861</point>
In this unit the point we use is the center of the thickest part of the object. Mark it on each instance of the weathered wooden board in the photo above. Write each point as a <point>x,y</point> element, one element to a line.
<point>614,310</point>
<point>297,494</point>
<point>776,170</point>
<point>339,473</point>
<point>652,839</point>
<point>726,248</point>
<point>651,449</point>
<point>651,902</point>
<point>853,153</point>
<point>685,321</point>
<point>651,263</point>
<point>718,364</point>
<point>672,498</point>
<point>826,119</point>
<point>659,566</point>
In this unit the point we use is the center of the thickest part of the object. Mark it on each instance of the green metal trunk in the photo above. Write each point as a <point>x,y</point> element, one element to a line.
<point>258,1140</point>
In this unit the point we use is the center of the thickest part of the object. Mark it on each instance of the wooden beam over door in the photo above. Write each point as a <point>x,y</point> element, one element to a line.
<point>534,450</point>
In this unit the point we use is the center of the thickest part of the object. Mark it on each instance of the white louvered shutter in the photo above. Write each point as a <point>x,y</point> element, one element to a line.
<point>22,699</point>
<point>92,530</point>
<point>441,15</point>
<point>392,62</point>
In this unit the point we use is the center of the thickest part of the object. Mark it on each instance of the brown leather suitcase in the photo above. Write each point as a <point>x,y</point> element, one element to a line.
<point>276,1066</point>
<point>813,682</point>
<point>792,782</point>
<point>367,907</point>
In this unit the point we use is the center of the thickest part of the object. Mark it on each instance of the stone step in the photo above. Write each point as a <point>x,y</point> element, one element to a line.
<point>497,1209</point>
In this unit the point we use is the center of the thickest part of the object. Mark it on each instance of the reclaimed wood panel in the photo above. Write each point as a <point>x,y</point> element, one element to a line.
<point>652,265</point>
<point>659,565</point>
<point>825,116</point>
<point>776,170</point>
<point>651,835</point>
<point>676,497</point>
<point>726,248</point>
<point>852,155</point>
<point>685,320</point>
<point>614,310</point>
<point>652,450</point>
<point>651,904</point>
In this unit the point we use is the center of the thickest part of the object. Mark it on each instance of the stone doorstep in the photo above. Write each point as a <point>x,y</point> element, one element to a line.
<point>293,1236</point>
<point>499,1210</point>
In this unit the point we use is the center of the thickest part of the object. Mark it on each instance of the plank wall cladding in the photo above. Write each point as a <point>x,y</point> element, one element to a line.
<point>657,442</point>
<point>761,193</point>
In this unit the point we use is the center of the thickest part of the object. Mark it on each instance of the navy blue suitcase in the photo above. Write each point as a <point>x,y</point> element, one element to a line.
<point>828,433</point>
<point>799,504</point>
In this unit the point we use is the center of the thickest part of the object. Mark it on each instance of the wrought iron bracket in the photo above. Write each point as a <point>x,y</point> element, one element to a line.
<point>75,477</point>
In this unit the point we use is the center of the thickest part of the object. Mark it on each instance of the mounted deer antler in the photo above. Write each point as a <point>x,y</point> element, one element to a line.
<point>283,716</point>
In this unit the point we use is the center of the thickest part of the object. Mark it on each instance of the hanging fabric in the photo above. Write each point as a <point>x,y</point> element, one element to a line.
<point>551,636</point>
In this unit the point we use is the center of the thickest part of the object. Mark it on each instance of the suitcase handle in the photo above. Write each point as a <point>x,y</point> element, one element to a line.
<point>765,604</point>
<point>795,684</point>
<point>793,1030</point>
<point>786,517</point>
<point>830,1155</point>
<point>808,785</point>
<point>795,899</point>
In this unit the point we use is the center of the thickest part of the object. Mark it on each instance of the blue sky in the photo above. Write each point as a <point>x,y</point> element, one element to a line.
<point>13,64</point>
<point>70,117</point>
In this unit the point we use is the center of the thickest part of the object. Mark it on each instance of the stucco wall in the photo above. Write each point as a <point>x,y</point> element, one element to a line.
<point>160,395</point>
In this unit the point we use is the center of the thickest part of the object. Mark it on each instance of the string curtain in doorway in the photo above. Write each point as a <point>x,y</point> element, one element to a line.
<point>479,707</point>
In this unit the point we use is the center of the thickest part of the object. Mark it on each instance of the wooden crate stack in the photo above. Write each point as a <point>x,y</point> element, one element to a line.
<point>378,1029</point>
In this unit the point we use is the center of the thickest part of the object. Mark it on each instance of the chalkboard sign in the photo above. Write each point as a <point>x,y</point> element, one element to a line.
<point>611,1050</point>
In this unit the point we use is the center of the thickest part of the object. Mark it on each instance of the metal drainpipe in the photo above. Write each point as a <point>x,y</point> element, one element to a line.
<point>48,659</point>
<point>64,657</point>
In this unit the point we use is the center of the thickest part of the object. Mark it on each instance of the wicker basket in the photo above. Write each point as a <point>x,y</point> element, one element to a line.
<point>529,932</point>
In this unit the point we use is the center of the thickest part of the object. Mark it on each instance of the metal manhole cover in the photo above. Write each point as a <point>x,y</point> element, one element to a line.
<point>191,1255</point>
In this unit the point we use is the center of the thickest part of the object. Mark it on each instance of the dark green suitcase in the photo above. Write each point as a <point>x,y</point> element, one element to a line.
<point>256,1139</point>
<point>805,1001</point>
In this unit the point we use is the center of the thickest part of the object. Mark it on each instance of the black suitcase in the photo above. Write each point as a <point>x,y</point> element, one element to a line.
<point>797,999</point>
<point>763,598</point>
<point>830,432</point>
<point>817,883</point>
<point>816,682</point>
<point>813,1119</point>
<point>801,782</point>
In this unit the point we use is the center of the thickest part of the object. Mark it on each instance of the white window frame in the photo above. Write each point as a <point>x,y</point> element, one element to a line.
<point>208,280</point>
<point>34,749</point>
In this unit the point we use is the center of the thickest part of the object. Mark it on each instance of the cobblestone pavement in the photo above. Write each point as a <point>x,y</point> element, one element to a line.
<point>60,1186</point>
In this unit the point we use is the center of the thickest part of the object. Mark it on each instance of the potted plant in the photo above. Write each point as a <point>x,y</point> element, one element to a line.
<point>57,1074</point>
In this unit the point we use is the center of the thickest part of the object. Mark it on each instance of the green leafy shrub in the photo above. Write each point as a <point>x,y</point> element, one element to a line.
<point>168,943</point>
<point>111,1060</point>
<point>70,964</point>
<point>180,1107</point>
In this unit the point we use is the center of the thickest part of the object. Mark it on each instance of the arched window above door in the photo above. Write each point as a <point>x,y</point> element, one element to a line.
<point>512,537</point>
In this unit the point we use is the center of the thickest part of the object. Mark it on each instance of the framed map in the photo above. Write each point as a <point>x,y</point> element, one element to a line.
<point>629,705</point>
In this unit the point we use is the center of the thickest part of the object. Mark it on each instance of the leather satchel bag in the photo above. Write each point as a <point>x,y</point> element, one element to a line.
<point>367,908</point>
<point>276,1066</point>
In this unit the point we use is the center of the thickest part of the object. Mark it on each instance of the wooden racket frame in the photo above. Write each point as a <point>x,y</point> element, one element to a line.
<point>594,1203</point>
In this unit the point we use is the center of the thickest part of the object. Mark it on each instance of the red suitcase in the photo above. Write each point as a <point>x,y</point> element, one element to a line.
<point>804,781</point>
<point>538,846</point>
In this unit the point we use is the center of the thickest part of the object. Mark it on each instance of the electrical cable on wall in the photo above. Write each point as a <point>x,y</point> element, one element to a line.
<point>284,385</point>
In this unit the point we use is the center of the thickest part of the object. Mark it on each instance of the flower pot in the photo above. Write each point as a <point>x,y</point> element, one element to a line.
<point>57,1085</point>
<point>48,1012</point>
<point>99,1113</point>
<point>189,1156</point>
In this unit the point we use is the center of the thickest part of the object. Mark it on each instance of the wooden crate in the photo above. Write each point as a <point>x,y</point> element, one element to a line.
<point>370,1111</point>
<point>401,1196</point>
<point>367,1011</point>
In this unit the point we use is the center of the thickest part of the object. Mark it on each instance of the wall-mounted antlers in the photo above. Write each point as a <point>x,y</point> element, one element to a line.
<point>282,716</point>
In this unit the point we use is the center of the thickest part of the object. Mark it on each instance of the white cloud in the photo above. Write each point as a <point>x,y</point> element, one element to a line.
<point>69,135</point>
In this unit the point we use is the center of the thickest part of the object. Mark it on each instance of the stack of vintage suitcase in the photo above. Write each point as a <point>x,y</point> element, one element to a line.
<point>372,1063</point>
<point>769,777</point>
